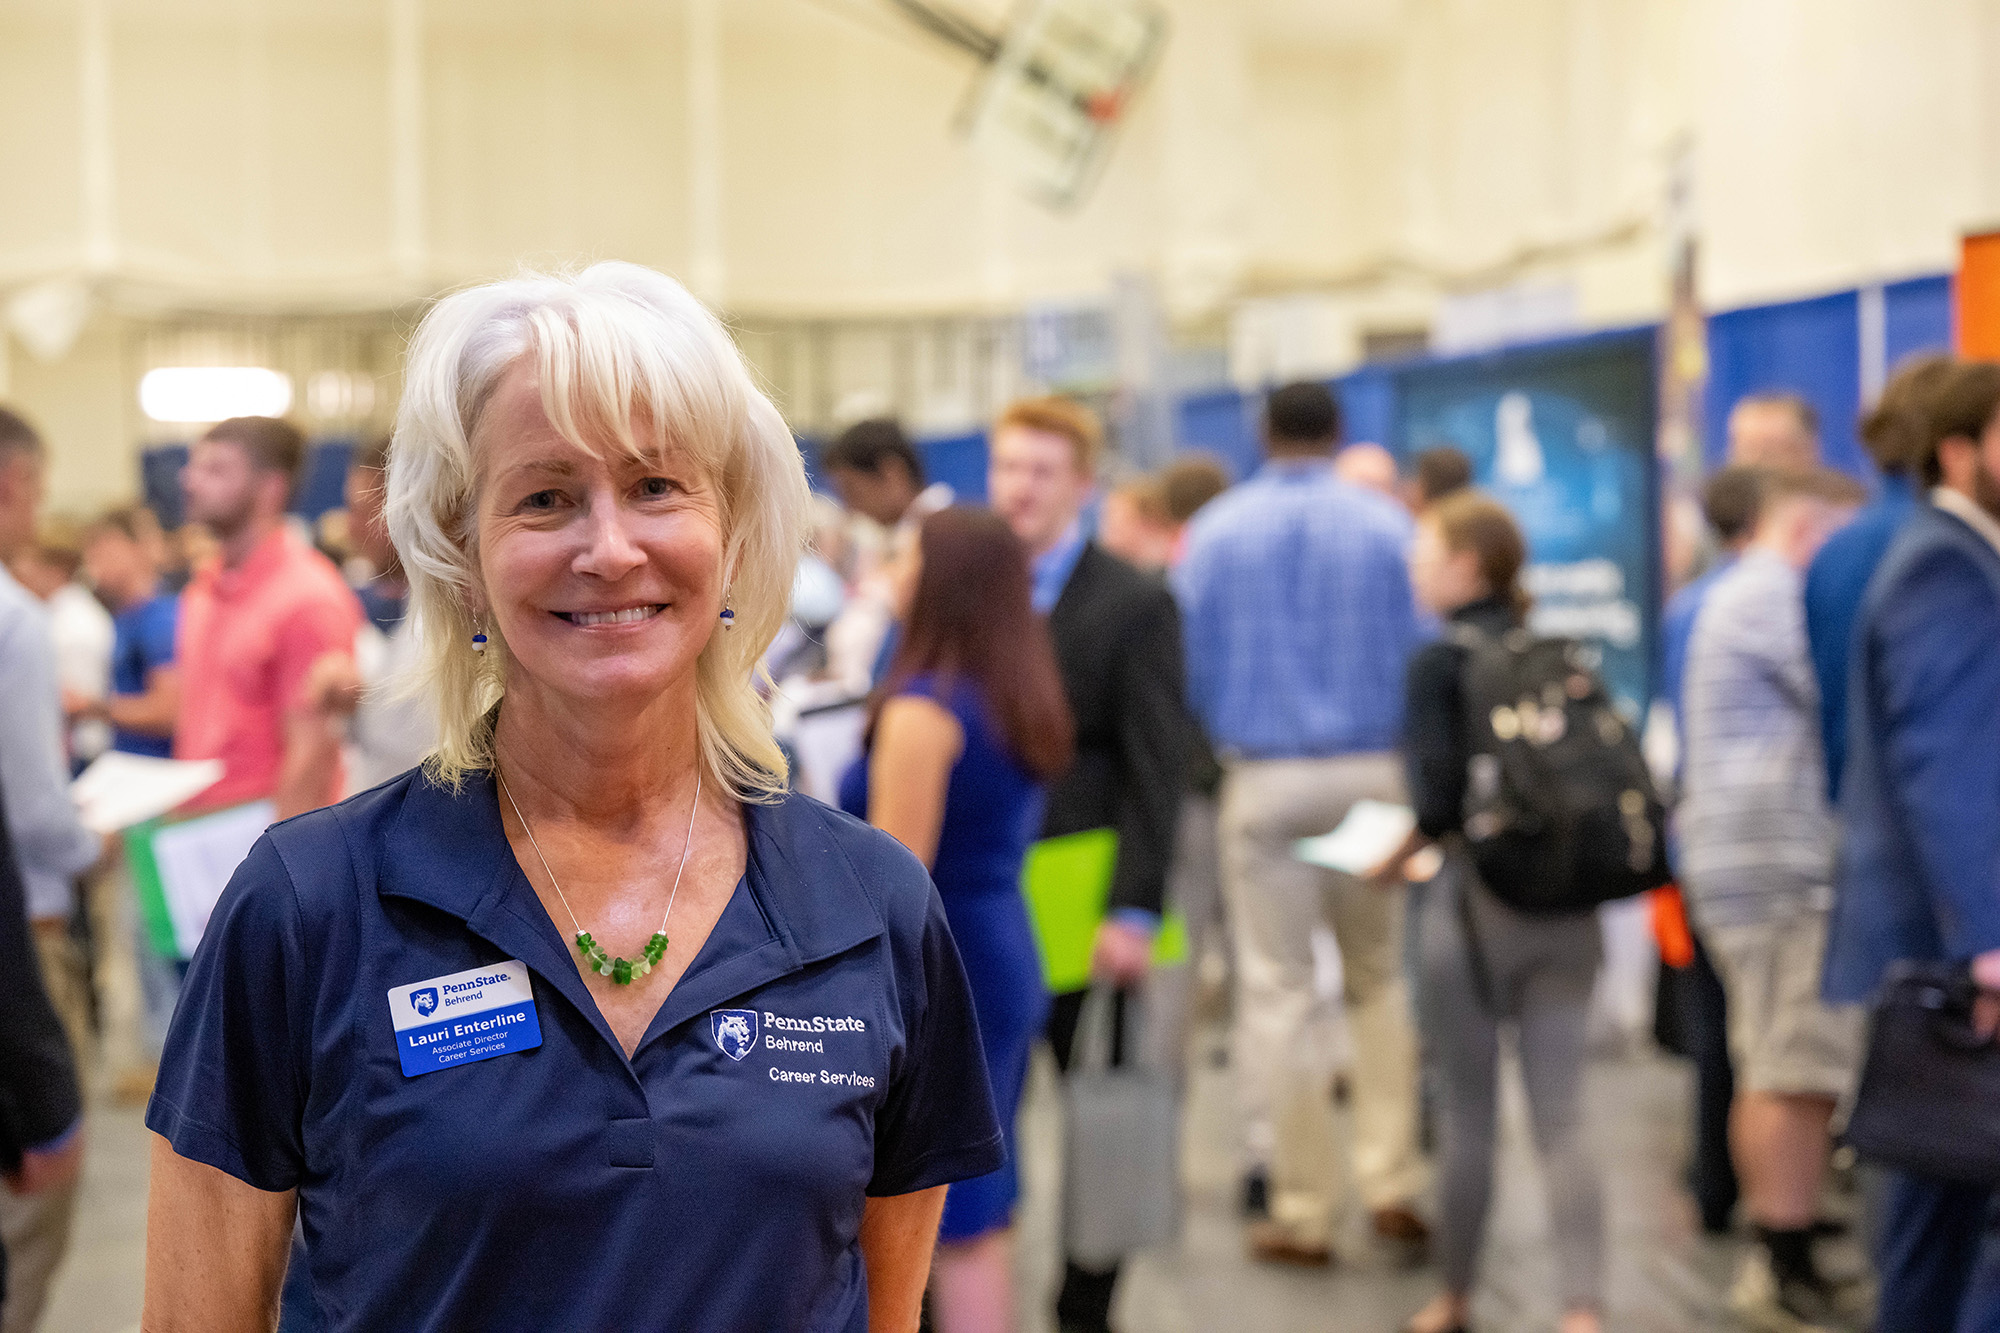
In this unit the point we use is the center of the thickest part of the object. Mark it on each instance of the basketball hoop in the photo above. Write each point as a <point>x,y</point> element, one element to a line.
<point>1057,85</point>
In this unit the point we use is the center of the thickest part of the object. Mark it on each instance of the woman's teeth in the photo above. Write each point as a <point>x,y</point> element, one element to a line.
<point>624,617</point>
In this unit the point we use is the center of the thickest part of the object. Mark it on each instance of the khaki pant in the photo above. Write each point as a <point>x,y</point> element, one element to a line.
<point>36,1230</point>
<point>1782,1037</point>
<point>1275,901</point>
<point>108,898</point>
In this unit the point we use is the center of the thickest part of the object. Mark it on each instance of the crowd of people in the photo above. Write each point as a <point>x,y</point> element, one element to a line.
<point>584,571</point>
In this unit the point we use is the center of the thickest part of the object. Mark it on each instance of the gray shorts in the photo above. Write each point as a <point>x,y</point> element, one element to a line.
<point>1782,1037</point>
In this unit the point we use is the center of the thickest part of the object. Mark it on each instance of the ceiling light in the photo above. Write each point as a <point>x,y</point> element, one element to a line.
<point>196,395</point>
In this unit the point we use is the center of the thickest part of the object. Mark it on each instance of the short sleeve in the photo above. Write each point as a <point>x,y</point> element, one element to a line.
<point>319,626</point>
<point>937,1123</point>
<point>231,1088</point>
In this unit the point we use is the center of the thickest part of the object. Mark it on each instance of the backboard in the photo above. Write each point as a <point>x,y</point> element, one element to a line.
<point>1048,104</point>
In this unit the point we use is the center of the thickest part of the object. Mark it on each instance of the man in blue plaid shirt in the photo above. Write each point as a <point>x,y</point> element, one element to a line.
<point>1298,621</point>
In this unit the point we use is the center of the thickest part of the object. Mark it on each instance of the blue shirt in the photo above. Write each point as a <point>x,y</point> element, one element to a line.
<point>1834,586</point>
<point>143,640</point>
<point>1052,568</point>
<point>715,1180</point>
<point>1297,615</point>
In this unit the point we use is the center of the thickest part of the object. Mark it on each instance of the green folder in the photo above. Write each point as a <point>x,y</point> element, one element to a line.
<point>146,888</point>
<point>1067,882</point>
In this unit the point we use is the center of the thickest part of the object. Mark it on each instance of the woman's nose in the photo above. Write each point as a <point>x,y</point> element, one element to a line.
<point>611,550</point>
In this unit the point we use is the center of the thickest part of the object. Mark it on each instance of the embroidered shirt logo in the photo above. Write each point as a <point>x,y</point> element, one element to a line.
<point>735,1031</point>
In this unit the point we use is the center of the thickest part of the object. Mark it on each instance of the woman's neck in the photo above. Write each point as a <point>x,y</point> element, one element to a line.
<point>594,762</point>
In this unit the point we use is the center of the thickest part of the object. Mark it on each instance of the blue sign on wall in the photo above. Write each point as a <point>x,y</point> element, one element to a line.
<point>1562,434</point>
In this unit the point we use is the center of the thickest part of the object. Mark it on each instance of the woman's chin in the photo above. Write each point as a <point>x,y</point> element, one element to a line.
<point>620,684</point>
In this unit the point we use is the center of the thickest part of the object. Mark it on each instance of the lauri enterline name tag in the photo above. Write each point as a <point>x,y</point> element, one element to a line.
<point>467,1016</point>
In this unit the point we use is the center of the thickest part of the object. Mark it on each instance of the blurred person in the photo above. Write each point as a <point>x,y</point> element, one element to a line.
<point>52,847</point>
<point>1699,1008</point>
<point>121,557</point>
<point>1482,963</point>
<point>1894,433</point>
<point>364,689</point>
<point>1756,847</point>
<point>1300,622</point>
<point>1368,466</point>
<point>41,1099</point>
<point>189,547</point>
<point>747,1117</point>
<point>1730,501</point>
<point>1135,526</point>
<point>1775,430</point>
<point>1117,641</point>
<point>1144,522</point>
<point>877,473</point>
<point>1439,471</point>
<point>136,985</point>
<point>81,629</point>
<point>963,735</point>
<point>1144,519</point>
<point>1919,873</point>
<point>253,624</point>
<point>333,537</point>
<point>1188,483</point>
<point>879,476</point>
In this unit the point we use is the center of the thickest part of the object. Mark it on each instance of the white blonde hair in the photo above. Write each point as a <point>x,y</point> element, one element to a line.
<point>610,343</point>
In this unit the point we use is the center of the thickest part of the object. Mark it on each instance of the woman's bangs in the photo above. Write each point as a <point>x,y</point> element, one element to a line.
<point>599,378</point>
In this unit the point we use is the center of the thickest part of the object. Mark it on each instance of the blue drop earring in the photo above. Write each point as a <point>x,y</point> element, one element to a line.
<point>728,614</point>
<point>479,641</point>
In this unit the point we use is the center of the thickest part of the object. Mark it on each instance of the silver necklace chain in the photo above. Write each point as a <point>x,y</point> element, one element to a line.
<point>686,844</point>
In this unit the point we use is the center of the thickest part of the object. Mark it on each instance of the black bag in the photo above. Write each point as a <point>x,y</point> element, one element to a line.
<point>1560,810</point>
<point>1929,1102</point>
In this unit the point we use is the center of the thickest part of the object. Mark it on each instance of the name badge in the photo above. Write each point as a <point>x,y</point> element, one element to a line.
<point>467,1016</point>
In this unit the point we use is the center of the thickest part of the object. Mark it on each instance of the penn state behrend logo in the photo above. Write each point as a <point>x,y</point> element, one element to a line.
<point>424,1001</point>
<point>735,1031</point>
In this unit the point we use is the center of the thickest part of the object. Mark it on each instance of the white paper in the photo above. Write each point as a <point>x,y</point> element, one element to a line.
<point>119,790</point>
<point>1370,834</point>
<point>196,859</point>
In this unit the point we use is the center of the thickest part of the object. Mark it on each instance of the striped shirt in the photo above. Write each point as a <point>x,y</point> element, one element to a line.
<point>1756,836</point>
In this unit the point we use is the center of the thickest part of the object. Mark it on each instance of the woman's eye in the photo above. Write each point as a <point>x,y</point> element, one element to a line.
<point>542,500</point>
<point>655,487</point>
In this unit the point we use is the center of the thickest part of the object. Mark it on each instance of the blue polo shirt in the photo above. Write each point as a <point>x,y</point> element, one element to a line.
<point>714,1181</point>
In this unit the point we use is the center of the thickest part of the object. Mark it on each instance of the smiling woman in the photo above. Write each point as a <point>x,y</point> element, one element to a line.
<point>502,1006</point>
<point>619,365</point>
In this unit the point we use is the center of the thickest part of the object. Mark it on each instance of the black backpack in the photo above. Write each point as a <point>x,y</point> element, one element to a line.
<point>1560,809</point>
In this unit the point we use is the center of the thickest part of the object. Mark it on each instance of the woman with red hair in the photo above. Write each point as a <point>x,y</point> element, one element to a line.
<point>963,733</point>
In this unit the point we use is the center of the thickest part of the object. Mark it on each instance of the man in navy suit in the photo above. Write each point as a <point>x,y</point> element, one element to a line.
<point>1920,805</point>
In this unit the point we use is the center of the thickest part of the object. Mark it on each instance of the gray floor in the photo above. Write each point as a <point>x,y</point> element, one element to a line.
<point>1664,1278</point>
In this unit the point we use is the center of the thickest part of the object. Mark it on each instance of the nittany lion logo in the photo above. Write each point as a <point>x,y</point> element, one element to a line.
<point>735,1031</point>
<point>424,1001</point>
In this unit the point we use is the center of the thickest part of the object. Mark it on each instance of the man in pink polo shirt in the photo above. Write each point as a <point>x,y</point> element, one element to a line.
<point>254,622</point>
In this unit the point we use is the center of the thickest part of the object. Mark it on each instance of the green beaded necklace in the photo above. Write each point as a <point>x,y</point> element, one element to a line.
<point>623,971</point>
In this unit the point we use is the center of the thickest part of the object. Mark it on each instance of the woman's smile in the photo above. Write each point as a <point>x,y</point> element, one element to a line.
<point>630,615</point>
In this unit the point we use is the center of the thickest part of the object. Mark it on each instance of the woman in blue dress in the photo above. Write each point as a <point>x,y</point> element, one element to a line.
<point>967,727</point>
